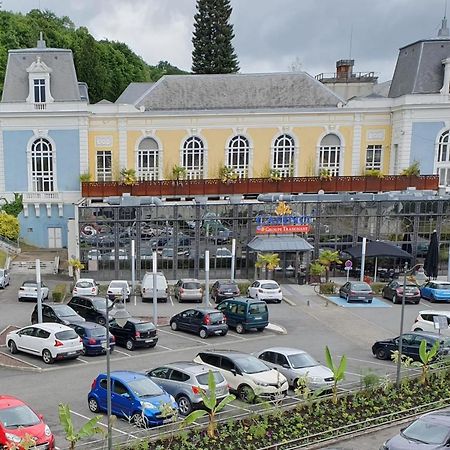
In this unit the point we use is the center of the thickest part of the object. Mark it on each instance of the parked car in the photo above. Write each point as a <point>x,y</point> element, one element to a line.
<point>162,288</point>
<point>51,341</point>
<point>111,256</point>
<point>245,374</point>
<point>267,290</point>
<point>169,253</point>
<point>410,345</point>
<point>425,321</point>
<point>184,380</point>
<point>295,364</point>
<point>92,309</point>
<point>119,288</point>
<point>134,396</point>
<point>356,290</point>
<point>394,291</point>
<point>243,314</point>
<point>56,313</point>
<point>93,337</point>
<point>18,420</point>
<point>222,289</point>
<point>436,291</point>
<point>85,286</point>
<point>94,254</point>
<point>431,431</point>
<point>28,291</point>
<point>135,333</point>
<point>5,278</point>
<point>202,321</point>
<point>223,253</point>
<point>188,289</point>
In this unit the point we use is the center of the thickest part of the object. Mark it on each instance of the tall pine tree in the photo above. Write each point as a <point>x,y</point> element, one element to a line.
<point>213,51</point>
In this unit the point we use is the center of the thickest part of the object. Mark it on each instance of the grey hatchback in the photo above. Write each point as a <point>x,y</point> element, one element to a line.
<point>202,321</point>
<point>188,289</point>
<point>356,290</point>
<point>184,380</point>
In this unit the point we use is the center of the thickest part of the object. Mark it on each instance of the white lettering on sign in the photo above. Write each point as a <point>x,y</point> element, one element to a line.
<point>375,135</point>
<point>103,141</point>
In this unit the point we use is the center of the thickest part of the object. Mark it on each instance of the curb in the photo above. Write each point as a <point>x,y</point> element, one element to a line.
<point>289,302</point>
<point>276,328</point>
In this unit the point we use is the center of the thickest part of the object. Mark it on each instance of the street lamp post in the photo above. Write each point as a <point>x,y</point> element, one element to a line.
<point>402,318</point>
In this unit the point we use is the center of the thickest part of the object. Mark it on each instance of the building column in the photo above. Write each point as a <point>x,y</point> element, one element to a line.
<point>123,160</point>
<point>84,145</point>
<point>356,149</point>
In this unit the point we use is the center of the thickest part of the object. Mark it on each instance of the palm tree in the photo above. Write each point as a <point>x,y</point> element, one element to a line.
<point>268,261</point>
<point>326,258</point>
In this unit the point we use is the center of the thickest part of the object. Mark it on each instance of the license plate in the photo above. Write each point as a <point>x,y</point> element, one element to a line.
<point>361,298</point>
<point>71,353</point>
<point>147,341</point>
<point>258,318</point>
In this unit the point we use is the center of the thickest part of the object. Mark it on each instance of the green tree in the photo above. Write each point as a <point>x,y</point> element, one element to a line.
<point>15,207</point>
<point>326,258</point>
<point>268,261</point>
<point>9,226</point>
<point>338,371</point>
<point>213,50</point>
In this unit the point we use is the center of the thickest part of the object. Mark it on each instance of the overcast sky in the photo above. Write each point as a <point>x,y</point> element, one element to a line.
<point>271,35</point>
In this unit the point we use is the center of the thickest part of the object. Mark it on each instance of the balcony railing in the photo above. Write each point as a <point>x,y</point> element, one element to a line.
<point>255,186</point>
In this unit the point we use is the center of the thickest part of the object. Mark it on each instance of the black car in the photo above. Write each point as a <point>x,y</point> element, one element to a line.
<point>57,313</point>
<point>93,336</point>
<point>93,309</point>
<point>394,291</point>
<point>410,345</point>
<point>223,289</point>
<point>135,333</point>
<point>202,321</point>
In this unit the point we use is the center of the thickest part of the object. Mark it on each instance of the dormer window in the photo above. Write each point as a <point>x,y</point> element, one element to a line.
<point>39,90</point>
<point>39,84</point>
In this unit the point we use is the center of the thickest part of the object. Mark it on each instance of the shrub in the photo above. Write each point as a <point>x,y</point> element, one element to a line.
<point>243,287</point>
<point>327,288</point>
<point>377,287</point>
<point>59,293</point>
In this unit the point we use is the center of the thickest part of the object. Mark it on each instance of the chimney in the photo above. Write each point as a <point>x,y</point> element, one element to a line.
<point>41,42</point>
<point>344,68</point>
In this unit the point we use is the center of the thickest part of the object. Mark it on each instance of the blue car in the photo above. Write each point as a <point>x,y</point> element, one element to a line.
<point>134,397</point>
<point>93,336</point>
<point>436,291</point>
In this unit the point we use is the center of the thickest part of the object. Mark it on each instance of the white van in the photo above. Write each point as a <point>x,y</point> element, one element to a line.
<point>425,321</point>
<point>162,290</point>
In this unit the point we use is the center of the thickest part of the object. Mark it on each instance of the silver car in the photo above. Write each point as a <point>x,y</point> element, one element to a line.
<point>294,364</point>
<point>4,278</point>
<point>184,380</point>
<point>188,289</point>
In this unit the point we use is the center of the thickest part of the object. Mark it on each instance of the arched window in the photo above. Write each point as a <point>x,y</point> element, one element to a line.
<point>238,155</point>
<point>330,154</point>
<point>443,160</point>
<point>283,155</point>
<point>42,166</point>
<point>147,162</point>
<point>193,157</point>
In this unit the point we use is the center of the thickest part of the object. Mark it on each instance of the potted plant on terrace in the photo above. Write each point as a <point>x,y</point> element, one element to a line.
<point>228,174</point>
<point>178,174</point>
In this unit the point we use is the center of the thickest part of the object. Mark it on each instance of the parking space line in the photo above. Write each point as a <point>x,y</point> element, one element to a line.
<point>367,361</point>
<point>121,352</point>
<point>239,407</point>
<point>235,335</point>
<point>183,337</point>
<point>103,425</point>
<point>82,360</point>
<point>166,348</point>
<point>352,373</point>
<point>21,360</point>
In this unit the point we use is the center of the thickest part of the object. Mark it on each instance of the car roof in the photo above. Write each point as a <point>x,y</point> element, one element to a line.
<point>435,312</point>
<point>89,325</point>
<point>137,320</point>
<point>427,334</point>
<point>439,282</point>
<point>7,401</point>
<point>85,279</point>
<point>118,281</point>
<point>226,281</point>
<point>53,304</point>
<point>50,326</point>
<point>189,280</point>
<point>189,366</point>
<point>126,375</point>
<point>284,350</point>
<point>442,416</point>
<point>226,353</point>
<point>203,310</point>
<point>266,281</point>
<point>244,299</point>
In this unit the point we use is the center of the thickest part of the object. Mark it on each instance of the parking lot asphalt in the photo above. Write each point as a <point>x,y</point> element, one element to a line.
<point>310,321</point>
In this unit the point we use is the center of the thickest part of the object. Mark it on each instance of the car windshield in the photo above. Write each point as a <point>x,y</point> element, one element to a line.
<point>144,326</point>
<point>99,303</point>
<point>203,378</point>
<point>302,360</point>
<point>270,286</point>
<point>66,335</point>
<point>360,287</point>
<point>118,284</point>
<point>29,284</point>
<point>250,364</point>
<point>18,416</point>
<point>191,285</point>
<point>144,387</point>
<point>426,431</point>
<point>228,287</point>
<point>85,284</point>
<point>444,287</point>
<point>64,311</point>
<point>96,332</point>
<point>257,308</point>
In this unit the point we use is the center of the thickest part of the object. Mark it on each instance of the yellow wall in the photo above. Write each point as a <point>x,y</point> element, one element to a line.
<point>114,148</point>
<point>386,143</point>
<point>262,142</point>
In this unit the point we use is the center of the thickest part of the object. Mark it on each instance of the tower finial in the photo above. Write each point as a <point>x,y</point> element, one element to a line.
<point>444,31</point>
<point>41,42</point>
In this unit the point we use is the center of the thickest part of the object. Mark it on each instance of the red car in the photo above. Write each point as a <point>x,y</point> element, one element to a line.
<point>18,420</point>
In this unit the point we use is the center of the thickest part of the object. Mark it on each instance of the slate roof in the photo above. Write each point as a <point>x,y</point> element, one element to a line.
<point>133,92</point>
<point>279,244</point>
<point>238,91</point>
<point>63,79</point>
<point>419,68</point>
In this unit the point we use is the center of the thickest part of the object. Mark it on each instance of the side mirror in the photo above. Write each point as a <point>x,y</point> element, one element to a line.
<point>233,371</point>
<point>41,417</point>
<point>285,365</point>
<point>126,395</point>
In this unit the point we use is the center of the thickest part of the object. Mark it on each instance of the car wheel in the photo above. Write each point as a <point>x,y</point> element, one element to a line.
<point>101,321</point>
<point>83,351</point>
<point>260,329</point>
<point>12,347</point>
<point>202,333</point>
<point>174,326</point>
<point>381,353</point>
<point>184,405</point>
<point>246,393</point>
<point>93,405</point>
<point>394,299</point>
<point>417,302</point>
<point>20,299</point>
<point>240,328</point>
<point>347,298</point>
<point>432,299</point>
<point>129,345</point>
<point>47,357</point>
<point>369,301</point>
<point>139,420</point>
<point>224,333</point>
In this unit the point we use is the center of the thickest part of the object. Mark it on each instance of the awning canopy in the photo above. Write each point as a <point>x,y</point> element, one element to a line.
<point>378,249</point>
<point>279,244</point>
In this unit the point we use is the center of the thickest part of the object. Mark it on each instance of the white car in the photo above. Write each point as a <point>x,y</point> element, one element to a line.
<point>295,364</point>
<point>50,341</point>
<point>122,255</point>
<point>28,291</point>
<point>119,288</point>
<point>267,290</point>
<point>245,374</point>
<point>223,253</point>
<point>425,321</point>
<point>4,278</point>
<point>85,286</point>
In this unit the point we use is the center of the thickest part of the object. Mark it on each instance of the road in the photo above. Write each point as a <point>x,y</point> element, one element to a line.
<point>311,325</point>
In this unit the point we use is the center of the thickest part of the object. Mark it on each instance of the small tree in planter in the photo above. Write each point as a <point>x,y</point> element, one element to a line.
<point>85,177</point>
<point>316,270</point>
<point>412,171</point>
<point>77,266</point>
<point>374,173</point>
<point>128,176</point>
<point>275,175</point>
<point>426,358</point>
<point>179,173</point>
<point>325,175</point>
<point>228,174</point>
<point>338,371</point>
<point>268,261</point>
<point>326,258</point>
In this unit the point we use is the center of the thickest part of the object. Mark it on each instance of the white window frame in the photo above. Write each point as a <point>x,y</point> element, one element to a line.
<point>443,159</point>
<point>284,149</point>
<point>238,157</point>
<point>334,162</point>
<point>103,173</point>
<point>40,179</point>
<point>39,71</point>
<point>193,157</point>
<point>371,163</point>
<point>145,172</point>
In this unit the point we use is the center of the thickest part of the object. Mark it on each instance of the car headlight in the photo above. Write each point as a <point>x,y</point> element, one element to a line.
<point>172,398</point>
<point>147,405</point>
<point>13,438</point>
<point>316,380</point>
<point>47,431</point>
<point>260,383</point>
<point>384,446</point>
